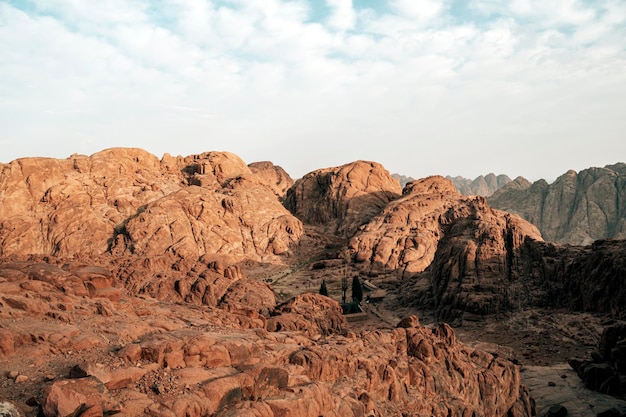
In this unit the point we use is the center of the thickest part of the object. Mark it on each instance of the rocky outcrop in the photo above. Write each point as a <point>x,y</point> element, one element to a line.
<point>273,176</point>
<point>141,356</point>
<point>606,370</point>
<point>343,198</point>
<point>578,208</point>
<point>406,234</point>
<point>127,201</point>
<point>530,273</point>
<point>242,220</point>
<point>312,314</point>
<point>482,185</point>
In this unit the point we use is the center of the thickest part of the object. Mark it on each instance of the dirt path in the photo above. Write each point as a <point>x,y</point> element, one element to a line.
<point>559,384</point>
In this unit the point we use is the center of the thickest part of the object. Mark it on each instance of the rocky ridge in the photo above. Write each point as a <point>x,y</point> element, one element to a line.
<point>130,285</point>
<point>124,292</point>
<point>577,208</point>
<point>406,234</point>
<point>128,201</point>
<point>343,198</point>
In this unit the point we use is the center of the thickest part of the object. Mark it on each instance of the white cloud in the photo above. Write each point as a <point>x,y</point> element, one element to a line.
<point>260,79</point>
<point>343,16</point>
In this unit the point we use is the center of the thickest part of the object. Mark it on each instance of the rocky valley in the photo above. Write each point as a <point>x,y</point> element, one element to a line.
<point>189,286</point>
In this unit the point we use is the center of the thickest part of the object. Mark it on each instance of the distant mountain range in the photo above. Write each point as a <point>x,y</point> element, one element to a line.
<point>577,208</point>
<point>483,185</point>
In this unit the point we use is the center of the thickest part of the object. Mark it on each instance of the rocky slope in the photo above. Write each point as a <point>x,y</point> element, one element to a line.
<point>343,198</point>
<point>483,186</point>
<point>128,201</point>
<point>460,286</point>
<point>74,342</point>
<point>137,286</point>
<point>408,232</point>
<point>123,291</point>
<point>577,208</point>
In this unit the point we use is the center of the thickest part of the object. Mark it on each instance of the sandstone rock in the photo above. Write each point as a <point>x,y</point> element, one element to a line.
<point>405,236</point>
<point>251,223</point>
<point>179,359</point>
<point>256,295</point>
<point>272,176</point>
<point>311,313</point>
<point>89,205</point>
<point>21,378</point>
<point>342,198</point>
<point>527,273</point>
<point>112,379</point>
<point>85,397</point>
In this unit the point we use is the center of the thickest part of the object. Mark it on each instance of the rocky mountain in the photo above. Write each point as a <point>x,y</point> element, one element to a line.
<point>128,201</point>
<point>134,285</point>
<point>402,179</point>
<point>406,235</point>
<point>343,198</point>
<point>116,350</point>
<point>578,208</point>
<point>125,288</point>
<point>482,185</point>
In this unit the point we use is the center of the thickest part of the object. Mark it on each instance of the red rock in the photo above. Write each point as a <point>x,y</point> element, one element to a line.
<point>342,198</point>
<point>311,313</point>
<point>272,176</point>
<point>64,397</point>
<point>7,342</point>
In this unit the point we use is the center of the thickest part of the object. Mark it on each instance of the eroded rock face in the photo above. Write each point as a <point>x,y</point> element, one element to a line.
<point>406,235</point>
<point>273,176</point>
<point>578,208</point>
<point>528,273</point>
<point>312,314</point>
<point>129,202</point>
<point>141,356</point>
<point>342,198</point>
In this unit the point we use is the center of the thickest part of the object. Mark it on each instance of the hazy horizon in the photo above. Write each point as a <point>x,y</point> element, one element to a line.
<point>425,87</point>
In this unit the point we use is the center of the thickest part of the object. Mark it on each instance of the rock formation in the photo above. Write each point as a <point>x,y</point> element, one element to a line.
<point>343,198</point>
<point>87,353</point>
<point>132,285</point>
<point>577,208</point>
<point>127,201</point>
<point>529,273</point>
<point>606,370</point>
<point>273,176</point>
<point>406,234</point>
<point>483,186</point>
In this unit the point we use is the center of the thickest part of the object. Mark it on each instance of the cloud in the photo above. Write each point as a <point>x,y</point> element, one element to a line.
<point>271,79</point>
<point>343,16</point>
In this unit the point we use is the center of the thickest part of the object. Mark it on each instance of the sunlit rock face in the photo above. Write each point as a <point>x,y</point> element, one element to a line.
<point>129,201</point>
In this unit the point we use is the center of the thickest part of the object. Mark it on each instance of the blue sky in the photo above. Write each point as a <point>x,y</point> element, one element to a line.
<point>451,87</point>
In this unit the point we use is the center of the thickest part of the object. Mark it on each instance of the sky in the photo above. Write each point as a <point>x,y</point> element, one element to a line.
<point>450,87</point>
